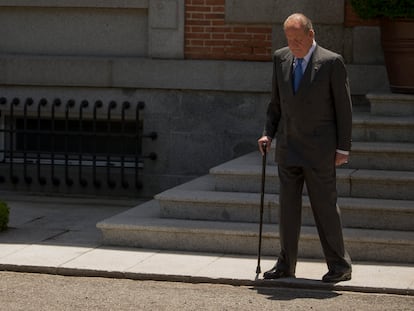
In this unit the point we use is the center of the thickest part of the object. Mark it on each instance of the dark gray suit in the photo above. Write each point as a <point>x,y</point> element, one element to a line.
<point>309,127</point>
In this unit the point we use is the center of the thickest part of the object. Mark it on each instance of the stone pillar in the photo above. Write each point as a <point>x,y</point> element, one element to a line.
<point>166,29</point>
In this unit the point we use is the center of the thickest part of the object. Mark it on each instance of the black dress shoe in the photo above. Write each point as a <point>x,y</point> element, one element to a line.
<point>275,273</point>
<point>335,277</point>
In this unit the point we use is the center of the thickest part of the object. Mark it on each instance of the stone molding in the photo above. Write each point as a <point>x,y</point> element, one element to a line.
<point>143,73</point>
<point>127,4</point>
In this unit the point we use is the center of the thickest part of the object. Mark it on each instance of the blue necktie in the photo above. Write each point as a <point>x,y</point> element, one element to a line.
<point>297,74</point>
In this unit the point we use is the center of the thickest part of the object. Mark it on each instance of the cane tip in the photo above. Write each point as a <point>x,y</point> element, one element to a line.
<point>258,270</point>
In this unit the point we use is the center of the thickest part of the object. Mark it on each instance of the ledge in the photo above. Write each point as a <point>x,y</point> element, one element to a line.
<point>135,73</point>
<point>145,73</point>
<point>115,4</point>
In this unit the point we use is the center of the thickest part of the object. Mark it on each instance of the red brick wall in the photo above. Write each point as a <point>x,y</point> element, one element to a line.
<point>208,36</point>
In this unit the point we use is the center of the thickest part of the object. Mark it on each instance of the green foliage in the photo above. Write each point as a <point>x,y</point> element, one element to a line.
<point>383,8</point>
<point>4,216</point>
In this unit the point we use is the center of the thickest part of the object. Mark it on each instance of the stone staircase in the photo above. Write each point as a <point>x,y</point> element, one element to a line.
<point>219,212</point>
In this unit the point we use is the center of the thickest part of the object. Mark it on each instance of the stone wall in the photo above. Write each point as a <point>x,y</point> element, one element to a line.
<point>196,129</point>
<point>103,28</point>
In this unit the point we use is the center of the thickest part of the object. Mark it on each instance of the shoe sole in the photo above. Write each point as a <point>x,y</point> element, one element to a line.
<point>346,278</point>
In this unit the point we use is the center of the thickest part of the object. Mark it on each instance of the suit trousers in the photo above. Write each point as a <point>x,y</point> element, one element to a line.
<point>321,187</point>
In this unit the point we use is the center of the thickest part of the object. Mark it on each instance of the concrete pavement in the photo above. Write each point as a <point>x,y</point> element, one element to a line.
<point>58,235</point>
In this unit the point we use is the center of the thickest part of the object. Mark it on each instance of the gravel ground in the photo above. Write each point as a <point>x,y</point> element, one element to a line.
<point>26,291</point>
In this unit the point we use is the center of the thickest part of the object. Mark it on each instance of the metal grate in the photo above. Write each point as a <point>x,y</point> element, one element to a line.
<point>71,135</point>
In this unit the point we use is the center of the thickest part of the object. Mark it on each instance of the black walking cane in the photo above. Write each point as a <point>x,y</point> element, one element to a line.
<point>264,146</point>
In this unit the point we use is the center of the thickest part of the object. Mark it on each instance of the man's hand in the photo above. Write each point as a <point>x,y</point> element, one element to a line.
<point>341,159</point>
<point>264,140</point>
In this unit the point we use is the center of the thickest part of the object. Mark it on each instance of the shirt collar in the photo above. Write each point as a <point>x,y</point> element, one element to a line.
<point>308,56</point>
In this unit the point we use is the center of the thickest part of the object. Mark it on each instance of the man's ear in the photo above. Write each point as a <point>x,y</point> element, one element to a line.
<point>312,33</point>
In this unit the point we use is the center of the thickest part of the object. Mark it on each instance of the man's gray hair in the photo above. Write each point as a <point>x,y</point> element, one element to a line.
<point>304,20</point>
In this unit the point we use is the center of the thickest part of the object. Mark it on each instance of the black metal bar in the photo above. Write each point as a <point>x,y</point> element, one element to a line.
<point>110,181</point>
<point>14,179</point>
<point>3,101</point>
<point>124,182</point>
<point>41,179</point>
<point>56,181</point>
<point>152,135</point>
<point>152,156</point>
<point>139,107</point>
<point>27,178</point>
<point>82,180</point>
<point>69,104</point>
<point>96,182</point>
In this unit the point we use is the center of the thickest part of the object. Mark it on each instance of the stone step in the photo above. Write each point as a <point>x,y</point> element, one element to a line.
<point>245,207</point>
<point>244,175</point>
<point>368,127</point>
<point>397,156</point>
<point>132,230</point>
<point>382,156</point>
<point>391,104</point>
<point>379,184</point>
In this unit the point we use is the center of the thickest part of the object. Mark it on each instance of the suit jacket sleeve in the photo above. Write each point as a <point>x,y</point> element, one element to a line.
<point>273,110</point>
<point>342,104</point>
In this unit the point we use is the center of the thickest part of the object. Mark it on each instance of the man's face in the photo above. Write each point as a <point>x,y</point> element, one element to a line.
<point>299,40</point>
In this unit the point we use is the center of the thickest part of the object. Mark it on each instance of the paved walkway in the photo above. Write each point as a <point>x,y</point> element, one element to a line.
<point>58,236</point>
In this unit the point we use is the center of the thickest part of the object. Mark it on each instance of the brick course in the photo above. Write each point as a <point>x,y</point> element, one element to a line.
<point>208,36</point>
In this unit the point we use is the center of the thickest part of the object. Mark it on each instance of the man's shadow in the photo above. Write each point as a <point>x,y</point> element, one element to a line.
<point>294,288</point>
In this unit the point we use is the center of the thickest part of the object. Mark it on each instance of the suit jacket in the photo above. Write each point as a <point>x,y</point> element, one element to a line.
<point>311,124</point>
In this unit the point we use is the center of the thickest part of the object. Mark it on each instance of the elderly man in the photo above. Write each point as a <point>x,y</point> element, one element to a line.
<point>310,113</point>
